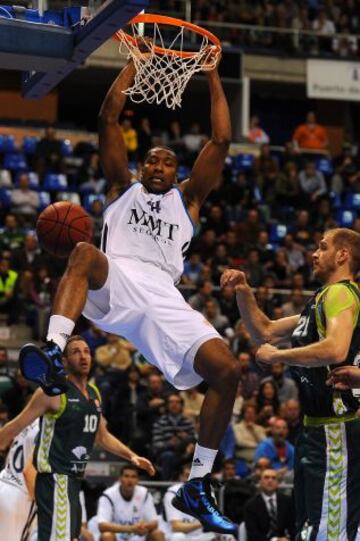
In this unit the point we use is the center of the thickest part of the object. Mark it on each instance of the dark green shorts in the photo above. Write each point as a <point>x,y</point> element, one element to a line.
<point>59,510</point>
<point>327,482</point>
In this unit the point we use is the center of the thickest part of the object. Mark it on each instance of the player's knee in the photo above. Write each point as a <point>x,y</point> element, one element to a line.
<point>227,375</point>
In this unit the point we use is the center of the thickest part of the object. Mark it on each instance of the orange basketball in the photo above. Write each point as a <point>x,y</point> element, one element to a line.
<point>61,226</point>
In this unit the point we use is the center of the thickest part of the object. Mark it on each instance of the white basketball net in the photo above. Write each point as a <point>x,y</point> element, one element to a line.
<point>163,77</point>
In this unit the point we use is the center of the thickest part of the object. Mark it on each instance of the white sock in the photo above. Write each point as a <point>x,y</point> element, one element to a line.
<point>203,461</point>
<point>60,329</point>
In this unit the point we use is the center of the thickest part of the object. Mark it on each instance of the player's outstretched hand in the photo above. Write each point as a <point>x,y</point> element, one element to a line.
<point>234,278</point>
<point>267,354</point>
<point>344,378</point>
<point>143,464</point>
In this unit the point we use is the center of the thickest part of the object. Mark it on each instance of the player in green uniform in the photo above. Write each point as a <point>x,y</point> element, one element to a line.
<point>70,425</point>
<point>325,334</point>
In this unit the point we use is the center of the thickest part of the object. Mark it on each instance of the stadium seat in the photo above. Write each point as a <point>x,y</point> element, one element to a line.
<point>7,143</point>
<point>66,148</point>
<point>73,197</point>
<point>29,144</point>
<point>183,172</point>
<point>55,182</point>
<point>277,232</point>
<point>33,180</point>
<point>335,200</point>
<point>5,198</point>
<point>44,200</point>
<point>15,161</point>
<point>88,200</point>
<point>243,161</point>
<point>352,200</point>
<point>325,166</point>
<point>345,217</point>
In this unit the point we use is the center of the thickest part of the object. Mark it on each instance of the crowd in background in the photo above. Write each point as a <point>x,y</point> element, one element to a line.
<point>266,216</point>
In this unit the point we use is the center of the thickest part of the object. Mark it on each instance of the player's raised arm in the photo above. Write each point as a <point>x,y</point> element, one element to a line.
<point>210,162</point>
<point>113,152</point>
<point>261,328</point>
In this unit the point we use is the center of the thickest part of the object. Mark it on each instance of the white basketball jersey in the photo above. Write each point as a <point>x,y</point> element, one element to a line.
<point>19,454</point>
<point>150,228</point>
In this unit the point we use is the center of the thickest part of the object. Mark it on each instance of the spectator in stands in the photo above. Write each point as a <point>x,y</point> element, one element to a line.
<point>344,44</point>
<point>346,171</point>
<point>266,169</point>
<point>286,386</point>
<point>127,509</point>
<point>16,398</point>
<point>312,183</point>
<point>265,249</point>
<point>183,527</point>
<point>48,153</point>
<point>4,362</point>
<point>215,221</point>
<point>287,187</point>
<point>256,133</point>
<point>227,304</point>
<point>174,139</point>
<point>250,381</point>
<point>311,135</point>
<point>280,268</point>
<point>41,290</point>
<point>151,405</point>
<point>248,230</point>
<point>144,138</point>
<point>253,268</point>
<point>265,300</point>
<point>90,176</point>
<point>12,235</point>
<point>192,269</point>
<point>248,434</point>
<point>292,415</point>
<point>130,138</point>
<point>192,403</point>
<point>29,256</point>
<point>267,402</point>
<point>220,261</point>
<point>270,514</point>
<point>193,141</point>
<point>276,448</point>
<point>238,195</point>
<point>204,294</point>
<point>322,24</point>
<point>259,466</point>
<point>295,252</point>
<point>24,200</point>
<point>205,244</point>
<point>116,353</point>
<point>216,318</point>
<point>294,305</point>
<point>240,342</point>
<point>8,290</point>
<point>302,228</point>
<point>172,434</point>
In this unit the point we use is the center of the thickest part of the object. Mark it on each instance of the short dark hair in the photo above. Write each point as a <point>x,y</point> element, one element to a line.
<point>131,467</point>
<point>74,338</point>
<point>161,147</point>
<point>347,238</point>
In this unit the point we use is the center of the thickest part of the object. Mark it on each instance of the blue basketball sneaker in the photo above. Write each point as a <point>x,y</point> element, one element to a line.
<point>44,367</point>
<point>195,498</point>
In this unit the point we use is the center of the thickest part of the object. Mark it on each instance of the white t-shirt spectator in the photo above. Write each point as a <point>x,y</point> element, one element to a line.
<point>24,201</point>
<point>174,514</point>
<point>114,508</point>
<point>325,27</point>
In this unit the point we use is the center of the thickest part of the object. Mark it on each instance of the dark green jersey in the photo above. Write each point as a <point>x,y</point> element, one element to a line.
<point>318,399</point>
<point>67,437</point>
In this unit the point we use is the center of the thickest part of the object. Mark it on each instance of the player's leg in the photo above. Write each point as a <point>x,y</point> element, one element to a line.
<point>87,269</point>
<point>218,367</point>
<point>54,513</point>
<point>16,512</point>
<point>353,479</point>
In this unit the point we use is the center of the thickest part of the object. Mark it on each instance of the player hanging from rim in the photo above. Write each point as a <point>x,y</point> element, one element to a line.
<point>70,425</point>
<point>128,288</point>
<point>327,333</point>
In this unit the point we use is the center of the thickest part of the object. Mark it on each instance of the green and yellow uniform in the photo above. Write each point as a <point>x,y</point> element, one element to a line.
<point>327,457</point>
<point>61,454</point>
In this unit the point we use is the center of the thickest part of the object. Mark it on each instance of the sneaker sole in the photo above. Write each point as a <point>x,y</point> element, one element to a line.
<point>178,504</point>
<point>35,367</point>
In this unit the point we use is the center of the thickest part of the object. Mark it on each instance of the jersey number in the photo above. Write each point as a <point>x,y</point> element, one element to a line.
<point>18,459</point>
<point>91,422</point>
<point>302,326</point>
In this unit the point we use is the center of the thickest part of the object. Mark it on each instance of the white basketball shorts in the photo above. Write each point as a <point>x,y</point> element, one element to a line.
<point>140,302</point>
<point>17,513</point>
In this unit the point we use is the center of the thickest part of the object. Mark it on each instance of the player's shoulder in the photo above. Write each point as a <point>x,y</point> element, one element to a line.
<point>141,492</point>
<point>113,490</point>
<point>341,291</point>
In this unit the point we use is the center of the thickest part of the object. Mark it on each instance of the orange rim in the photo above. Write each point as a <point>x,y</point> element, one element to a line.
<point>170,21</point>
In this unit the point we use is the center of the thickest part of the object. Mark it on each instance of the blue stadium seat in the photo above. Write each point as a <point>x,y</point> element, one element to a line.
<point>5,198</point>
<point>44,200</point>
<point>66,148</point>
<point>325,166</point>
<point>352,200</point>
<point>243,161</point>
<point>55,182</point>
<point>335,200</point>
<point>345,217</point>
<point>88,200</point>
<point>15,161</point>
<point>73,197</point>
<point>29,144</point>
<point>7,143</point>
<point>277,232</point>
<point>183,172</point>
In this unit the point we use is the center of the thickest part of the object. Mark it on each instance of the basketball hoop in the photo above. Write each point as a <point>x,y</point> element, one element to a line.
<point>163,71</point>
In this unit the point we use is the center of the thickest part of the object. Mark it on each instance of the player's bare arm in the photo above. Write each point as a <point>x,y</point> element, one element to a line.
<point>113,153</point>
<point>210,162</point>
<point>29,474</point>
<point>261,328</point>
<point>108,442</point>
<point>39,404</point>
<point>333,349</point>
<point>185,527</point>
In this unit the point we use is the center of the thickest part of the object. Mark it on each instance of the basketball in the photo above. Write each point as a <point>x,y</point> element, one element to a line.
<point>61,226</point>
